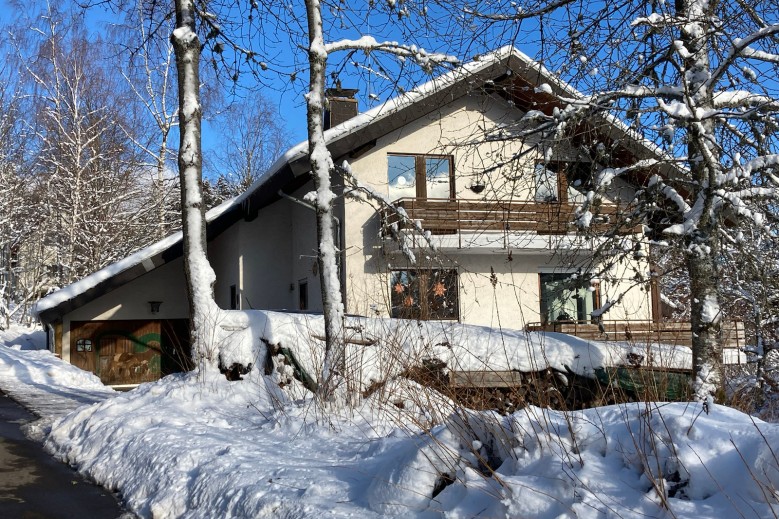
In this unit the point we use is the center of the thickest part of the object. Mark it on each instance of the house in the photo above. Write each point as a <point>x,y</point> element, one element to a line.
<point>458,155</point>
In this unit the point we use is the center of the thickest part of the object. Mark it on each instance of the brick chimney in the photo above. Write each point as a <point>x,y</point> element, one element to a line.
<point>341,105</point>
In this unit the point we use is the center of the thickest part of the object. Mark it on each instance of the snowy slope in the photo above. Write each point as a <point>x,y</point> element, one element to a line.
<point>195,445</point>
<point>199,446</point>
<point>40,381</point>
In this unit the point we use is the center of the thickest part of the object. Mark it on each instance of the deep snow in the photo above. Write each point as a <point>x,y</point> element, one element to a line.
<point>196,445</point>
<point>41,382</point>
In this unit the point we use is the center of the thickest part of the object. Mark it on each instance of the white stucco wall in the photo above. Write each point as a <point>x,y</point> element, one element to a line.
<point>131,301</point>
<point>224,253</point>
<point>514,300</point>
<point>268,257</point>
<point>304,250</point>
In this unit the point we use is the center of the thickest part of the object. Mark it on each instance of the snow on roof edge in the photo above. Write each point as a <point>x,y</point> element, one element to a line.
<point>82,285</point>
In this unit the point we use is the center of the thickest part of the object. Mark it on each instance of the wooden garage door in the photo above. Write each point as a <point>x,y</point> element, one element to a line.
<point>119,352</point>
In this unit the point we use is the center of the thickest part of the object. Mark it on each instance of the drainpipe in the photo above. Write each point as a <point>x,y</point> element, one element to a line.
<point>309,206</point>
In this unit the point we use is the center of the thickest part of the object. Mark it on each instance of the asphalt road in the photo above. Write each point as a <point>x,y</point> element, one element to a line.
<point>34,485</point>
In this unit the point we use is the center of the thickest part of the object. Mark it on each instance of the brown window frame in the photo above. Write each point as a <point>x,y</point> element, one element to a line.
<point>423,309</point>
<point>84,345</point>
<point>420,171</point>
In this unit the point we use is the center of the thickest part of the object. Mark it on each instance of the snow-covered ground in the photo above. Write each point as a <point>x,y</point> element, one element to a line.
<point>41,382</point>
<point>197,445</point>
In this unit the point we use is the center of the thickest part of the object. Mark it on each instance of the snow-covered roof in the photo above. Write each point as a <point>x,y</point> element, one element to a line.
<point>341,139</point>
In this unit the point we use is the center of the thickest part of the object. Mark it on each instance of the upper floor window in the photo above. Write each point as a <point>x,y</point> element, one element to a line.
<point>420,176</point>
<point>562,181</point>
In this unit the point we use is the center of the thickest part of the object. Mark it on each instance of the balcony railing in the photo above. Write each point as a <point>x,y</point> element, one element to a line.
<point>676,333</point>
<point>442,216</point>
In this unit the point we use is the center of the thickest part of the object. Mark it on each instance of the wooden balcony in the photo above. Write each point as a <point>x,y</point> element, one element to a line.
<point>442,216</point>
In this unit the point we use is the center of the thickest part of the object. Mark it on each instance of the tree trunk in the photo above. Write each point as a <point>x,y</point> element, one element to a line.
<point>322,167</point>
<point>162,228</point>
<point>702,245</point>
<point>199,274</point>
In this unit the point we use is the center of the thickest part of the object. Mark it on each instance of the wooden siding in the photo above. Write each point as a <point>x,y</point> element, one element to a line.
<point>483,379</point>
<point>129,352</point>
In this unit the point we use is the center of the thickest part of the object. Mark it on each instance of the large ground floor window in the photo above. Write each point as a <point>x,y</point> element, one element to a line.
<point>424,294</point>
<point>563,299</point>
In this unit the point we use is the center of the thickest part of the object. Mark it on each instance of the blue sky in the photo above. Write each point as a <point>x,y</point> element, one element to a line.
<point>372,75</point>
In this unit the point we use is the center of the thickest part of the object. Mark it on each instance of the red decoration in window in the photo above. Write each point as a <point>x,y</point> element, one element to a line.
<point>439,289</point>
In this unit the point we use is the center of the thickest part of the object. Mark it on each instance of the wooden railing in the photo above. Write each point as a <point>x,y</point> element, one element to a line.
<point>666,332</point>
<point>443,216</point>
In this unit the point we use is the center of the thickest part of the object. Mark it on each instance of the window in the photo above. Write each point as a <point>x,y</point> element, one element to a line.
<point>420,176</point>
<point>547,189</point>
<point>564,299</point>
<point>303,294</point>
<point>424,294</point>
<point>235,299</point>
<point>84,345</point>
<point>562,181</point>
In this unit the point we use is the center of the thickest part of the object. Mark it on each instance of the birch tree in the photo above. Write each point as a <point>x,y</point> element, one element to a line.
<point>199,273</point>
<point>17,219</point>
<point>94,201</point>
<point>256,138</point>
<point>696,79</point>
<point>150,78</point>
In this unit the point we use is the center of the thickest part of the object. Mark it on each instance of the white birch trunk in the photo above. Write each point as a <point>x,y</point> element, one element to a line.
<point>200,276</point>
<point>162,227</point>
<point>322,167</point>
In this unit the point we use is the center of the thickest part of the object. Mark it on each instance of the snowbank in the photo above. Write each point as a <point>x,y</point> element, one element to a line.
<point>197,445</point>
<point>634,460</point>
<point>380,349</point>
<point>43,383</point>
<point>21,337</point>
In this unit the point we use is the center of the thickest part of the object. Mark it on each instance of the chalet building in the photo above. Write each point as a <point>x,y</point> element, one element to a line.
<point>460,156</point>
